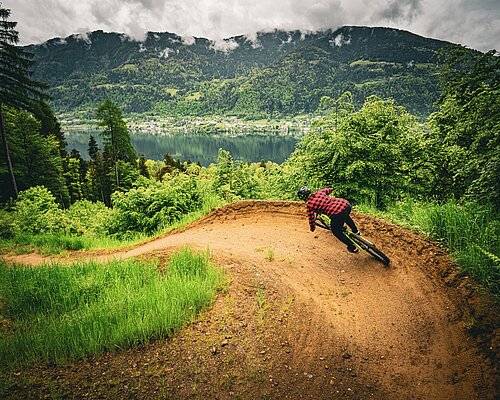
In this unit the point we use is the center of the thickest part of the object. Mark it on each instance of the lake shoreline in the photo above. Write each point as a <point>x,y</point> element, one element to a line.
<point>202,148</point>
<point>230,126</point>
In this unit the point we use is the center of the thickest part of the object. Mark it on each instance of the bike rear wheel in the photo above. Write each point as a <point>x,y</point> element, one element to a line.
<point>370,248</point>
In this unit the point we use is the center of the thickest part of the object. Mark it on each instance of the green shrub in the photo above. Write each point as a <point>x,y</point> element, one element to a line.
<point>472,232</point>
<point>36,211</point>
<point>7,225</point>
<point>88,218</point>
<point>148,209</point>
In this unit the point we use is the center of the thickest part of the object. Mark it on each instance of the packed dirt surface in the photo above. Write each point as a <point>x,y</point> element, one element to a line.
<point>301,318</point>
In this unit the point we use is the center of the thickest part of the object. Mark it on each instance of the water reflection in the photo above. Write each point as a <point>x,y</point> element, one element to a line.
<point>249,148</point>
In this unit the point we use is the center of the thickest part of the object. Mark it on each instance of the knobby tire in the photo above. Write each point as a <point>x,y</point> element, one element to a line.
<point>365,244</point>
<point>373,250</point>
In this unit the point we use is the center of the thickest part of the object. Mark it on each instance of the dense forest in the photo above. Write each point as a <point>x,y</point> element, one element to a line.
<point>276,74</point>
<point>375,152</point>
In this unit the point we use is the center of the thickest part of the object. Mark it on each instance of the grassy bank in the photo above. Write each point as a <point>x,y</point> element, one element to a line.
<point>49,244</point>
<point>470,231</point>
<point>55,312</point>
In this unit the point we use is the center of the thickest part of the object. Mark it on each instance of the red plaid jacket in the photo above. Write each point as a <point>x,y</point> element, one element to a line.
<point>321,202</point>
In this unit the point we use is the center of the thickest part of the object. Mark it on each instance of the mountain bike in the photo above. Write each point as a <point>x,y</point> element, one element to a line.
<point>359,241</point>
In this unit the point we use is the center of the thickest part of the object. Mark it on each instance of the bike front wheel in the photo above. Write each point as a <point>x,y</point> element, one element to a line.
<point>370,248</point>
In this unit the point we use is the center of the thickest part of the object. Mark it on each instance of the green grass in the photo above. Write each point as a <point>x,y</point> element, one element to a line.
<point>470,231</point>
<point>49,244</point>
<point>62,312</point>
<point>194,96</point>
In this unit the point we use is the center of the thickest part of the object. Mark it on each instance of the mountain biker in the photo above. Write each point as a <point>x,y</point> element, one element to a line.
<point>337,209</point>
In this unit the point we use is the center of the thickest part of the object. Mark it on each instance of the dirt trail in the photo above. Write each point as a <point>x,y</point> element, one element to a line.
<point>302,318</point>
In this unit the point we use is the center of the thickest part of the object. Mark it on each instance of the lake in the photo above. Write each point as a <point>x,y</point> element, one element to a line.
<point>197,148</point>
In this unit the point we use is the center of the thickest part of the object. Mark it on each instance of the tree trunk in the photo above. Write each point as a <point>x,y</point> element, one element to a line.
<point>117,175</point>
<point>7,152</point>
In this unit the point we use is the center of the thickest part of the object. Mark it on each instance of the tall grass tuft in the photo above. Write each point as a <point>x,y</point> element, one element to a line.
<point>470,231</point>
<point>65,312</point>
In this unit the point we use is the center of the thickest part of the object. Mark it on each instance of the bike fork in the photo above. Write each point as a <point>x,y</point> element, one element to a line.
<point>356,244</point>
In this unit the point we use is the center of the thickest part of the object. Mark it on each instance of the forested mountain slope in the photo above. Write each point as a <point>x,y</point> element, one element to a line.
<point>275,73</point>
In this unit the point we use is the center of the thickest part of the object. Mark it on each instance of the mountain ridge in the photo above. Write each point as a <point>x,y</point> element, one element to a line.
<point>168,74</point>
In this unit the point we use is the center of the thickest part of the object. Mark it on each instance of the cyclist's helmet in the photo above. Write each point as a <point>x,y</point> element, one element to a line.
<point>304,193</point>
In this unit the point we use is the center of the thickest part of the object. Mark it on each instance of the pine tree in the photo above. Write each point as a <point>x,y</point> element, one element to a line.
<point>83,165</point>
<point>36,159</point>
<point>115,135</point>
<point>50,126</point>
<point>142,167</point>
<point>93,148</point>
<point>73,180</point>
<point>225,174</point>
<point>17,89</point>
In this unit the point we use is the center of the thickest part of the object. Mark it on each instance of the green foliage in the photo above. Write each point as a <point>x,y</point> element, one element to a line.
<point>147,209</point>
<point>125,304</point>
<point>36,159</point>
<point>119,157</point>
<point>36,211</point>
<point>73,179</point>
<point>238,180</point>
<point>7,225</point>
<point>142,167</point>
<point>49,124</point>
<point>225,175</point>
<point>364,155</point>
<point>115,133</point>
<point>88,218</point>
<point>128,175</point>
<point>38,221</point>
<point>467,126</point>
<point>17,89</point>
<point>98,184</point>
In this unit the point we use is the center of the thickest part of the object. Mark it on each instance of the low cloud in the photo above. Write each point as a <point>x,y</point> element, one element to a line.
<point>188,40</point>
<point>400,10</point>
<point>340,40</point>
<point>165,53</point>
<point>84,36</point>
<point>474,23</point>
<point>224,45</point>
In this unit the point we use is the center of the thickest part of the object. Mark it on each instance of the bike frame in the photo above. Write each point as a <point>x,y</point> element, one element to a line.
<point>359,241</point>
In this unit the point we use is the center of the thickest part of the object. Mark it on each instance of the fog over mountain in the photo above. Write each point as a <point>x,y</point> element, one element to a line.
<point>473,23</point>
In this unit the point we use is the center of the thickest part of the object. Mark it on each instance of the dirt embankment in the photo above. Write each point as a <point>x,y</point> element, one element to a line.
<point>302,318</point>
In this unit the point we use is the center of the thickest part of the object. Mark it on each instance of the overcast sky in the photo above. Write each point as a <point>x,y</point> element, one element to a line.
<point>472,23</point>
